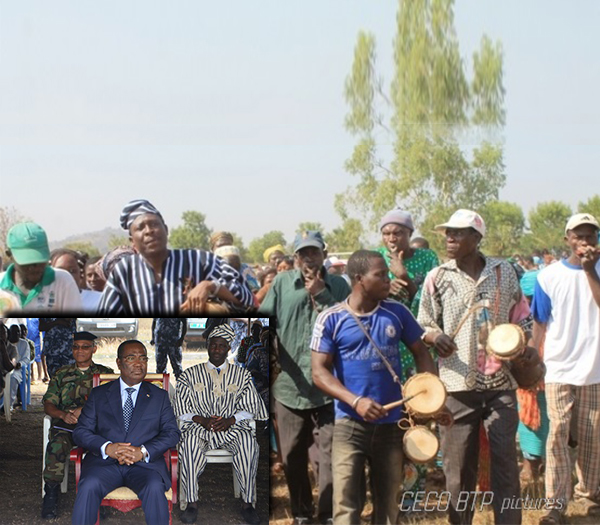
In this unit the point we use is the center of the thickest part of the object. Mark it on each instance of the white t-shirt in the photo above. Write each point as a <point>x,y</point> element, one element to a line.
<point>563,299</point>
<point>61,295</point>
<point>90,300</point>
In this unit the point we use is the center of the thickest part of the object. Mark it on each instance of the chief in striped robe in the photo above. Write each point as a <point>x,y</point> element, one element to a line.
<point>159,281</point>
<point>214,403</point>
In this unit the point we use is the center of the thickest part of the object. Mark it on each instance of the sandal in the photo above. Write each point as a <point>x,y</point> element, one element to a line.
<point>553,517</point>
<point>588,506</point>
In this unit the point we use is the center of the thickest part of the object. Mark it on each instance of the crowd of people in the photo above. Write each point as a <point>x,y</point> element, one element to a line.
<point>128,424</point>
<point>404,313</point>
<point>351,333</point>
<point>145,278</point>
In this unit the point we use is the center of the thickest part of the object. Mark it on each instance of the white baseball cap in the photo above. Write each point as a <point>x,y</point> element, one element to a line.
<point>581,218</point>
<point>464,219</point>
<point>336,261</point>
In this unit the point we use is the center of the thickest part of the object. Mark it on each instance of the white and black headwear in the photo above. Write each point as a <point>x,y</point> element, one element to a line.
<point>134,209</point>
<point>223,330</point>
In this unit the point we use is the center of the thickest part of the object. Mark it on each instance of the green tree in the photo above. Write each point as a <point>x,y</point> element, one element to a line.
<point>8,218</point>
<point>257,246</point>
<point>346,238</point>
<point>192,234</point>
<point>313,226</point>
<point>435,111</point>
<point>83,247</point>
<point>547,224</point>
<point>115,241</point>
<point>239,244</point>
<point>592,205</point>
<point>505,225</point>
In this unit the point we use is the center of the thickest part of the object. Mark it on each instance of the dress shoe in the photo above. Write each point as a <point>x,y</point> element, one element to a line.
<point>250,516</point>
<point>50,501</point>
<point>189,515</point>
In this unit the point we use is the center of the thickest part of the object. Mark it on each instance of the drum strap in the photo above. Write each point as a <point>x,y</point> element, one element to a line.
<point>383,358</point>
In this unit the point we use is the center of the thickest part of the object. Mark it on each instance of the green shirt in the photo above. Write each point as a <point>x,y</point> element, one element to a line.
<point>69,388</point>
<point>296,314</point>
<point>8,283</point>
<point>418,266</point>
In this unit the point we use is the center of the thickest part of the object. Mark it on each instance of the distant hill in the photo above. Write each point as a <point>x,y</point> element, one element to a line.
<point>98,238</point>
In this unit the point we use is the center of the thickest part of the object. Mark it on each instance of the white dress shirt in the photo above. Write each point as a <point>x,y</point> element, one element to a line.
<point>124,396</point>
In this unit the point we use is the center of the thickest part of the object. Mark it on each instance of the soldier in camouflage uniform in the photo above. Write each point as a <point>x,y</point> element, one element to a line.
<point>63,401</point>
<point>58,341</point>
<point>168,334</point>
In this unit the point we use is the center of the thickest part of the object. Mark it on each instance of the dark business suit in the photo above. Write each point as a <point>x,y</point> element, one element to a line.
<point>153,425</point>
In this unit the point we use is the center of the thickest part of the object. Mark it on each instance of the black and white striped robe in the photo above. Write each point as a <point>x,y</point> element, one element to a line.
<point>133,289</point>
<point>203,392</point>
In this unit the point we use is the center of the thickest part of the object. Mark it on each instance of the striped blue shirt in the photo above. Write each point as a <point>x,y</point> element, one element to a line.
<point>133,289</point>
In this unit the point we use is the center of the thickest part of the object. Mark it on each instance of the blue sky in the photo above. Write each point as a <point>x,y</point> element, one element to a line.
<point>236,109</point>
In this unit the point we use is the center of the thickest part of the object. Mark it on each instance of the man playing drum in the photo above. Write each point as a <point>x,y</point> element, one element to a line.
<point>566,311</point>
<point>462,301</point>
<point>347,366</point>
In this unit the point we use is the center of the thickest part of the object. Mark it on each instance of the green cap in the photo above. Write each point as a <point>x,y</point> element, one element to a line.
<point>28,243</point>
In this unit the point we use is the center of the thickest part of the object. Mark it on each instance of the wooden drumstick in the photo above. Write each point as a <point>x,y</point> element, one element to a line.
<point>464,319</point>
<point>395,404</point>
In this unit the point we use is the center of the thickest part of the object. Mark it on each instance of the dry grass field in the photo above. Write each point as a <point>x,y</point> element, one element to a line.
<point>280,514</point>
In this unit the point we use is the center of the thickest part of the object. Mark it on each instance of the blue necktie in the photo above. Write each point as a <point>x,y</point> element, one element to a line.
<point>128,408</point>
<point>218,370</point>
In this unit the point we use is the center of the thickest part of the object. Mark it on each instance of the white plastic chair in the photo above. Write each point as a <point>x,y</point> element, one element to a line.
<point>219,455</point>
<point>46,434</point>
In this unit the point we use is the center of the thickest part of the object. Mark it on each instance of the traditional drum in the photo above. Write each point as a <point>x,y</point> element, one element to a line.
<point>529,369</point>
<point>506,341</point>
<point>420,444</point>
<point>425,395</point>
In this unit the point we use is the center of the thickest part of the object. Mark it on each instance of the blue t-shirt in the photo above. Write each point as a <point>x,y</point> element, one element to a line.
<point>33,332</point>
<point>356,363</point>
<point>528,282</point>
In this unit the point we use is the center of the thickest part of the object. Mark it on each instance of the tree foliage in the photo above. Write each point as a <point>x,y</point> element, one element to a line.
<point>434,107</point>
<point>192,234</point>
<point>310,226</point>
<point>257,246</point>
<point>239,244</point>
<point>505,225</point>
<point>592,205</point>
<point>547,224</point>
<point>8,218</point>
<point>346,238</point>
<point>84,247</point>
<point>115,241</point>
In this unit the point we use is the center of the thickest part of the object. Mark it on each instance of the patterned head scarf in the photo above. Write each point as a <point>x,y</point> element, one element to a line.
<point>134,209</point>
<point>267,253</point>
<point>226,236</point>
<point>224,251</point>
<point>108,261</point>
<point>223,330</point>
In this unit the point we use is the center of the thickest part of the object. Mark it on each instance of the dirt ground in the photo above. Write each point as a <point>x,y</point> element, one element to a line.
<point>21,471</point>
<point>280,513</point>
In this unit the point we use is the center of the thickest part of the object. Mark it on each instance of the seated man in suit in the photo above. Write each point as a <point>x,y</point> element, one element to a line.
<point>214,403</point>
<point>126,425</point>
